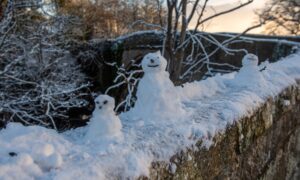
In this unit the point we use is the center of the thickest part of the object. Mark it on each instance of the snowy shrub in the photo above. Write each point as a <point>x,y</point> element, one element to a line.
<point>39,80</point>
<point>127,80</point>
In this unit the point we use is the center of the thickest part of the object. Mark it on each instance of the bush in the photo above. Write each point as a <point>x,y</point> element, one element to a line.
<point>39,80</point>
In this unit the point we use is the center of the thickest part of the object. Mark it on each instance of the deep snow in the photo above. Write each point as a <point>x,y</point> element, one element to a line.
<point>210,106</point>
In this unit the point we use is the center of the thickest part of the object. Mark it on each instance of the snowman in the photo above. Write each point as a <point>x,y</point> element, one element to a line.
<point>104,126</point>
<point>249,75</point>
<point>157,97</point>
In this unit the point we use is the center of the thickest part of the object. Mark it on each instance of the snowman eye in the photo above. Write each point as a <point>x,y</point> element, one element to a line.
<point>105,102</point>
<point>97,102</point>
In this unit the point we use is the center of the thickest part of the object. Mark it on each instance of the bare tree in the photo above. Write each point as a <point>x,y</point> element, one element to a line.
<point>187,49</point>
<point>180,35</point>
<point>281,17</point>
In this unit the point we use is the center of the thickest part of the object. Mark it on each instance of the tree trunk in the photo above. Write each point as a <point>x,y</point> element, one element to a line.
<point>167,47</point>
<point>179,53</point>
<point>173,47</point>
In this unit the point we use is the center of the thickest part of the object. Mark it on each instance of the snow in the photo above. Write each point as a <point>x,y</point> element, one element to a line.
<point>139,33</point>
<point>23,165</point>
<point>262,38</point>
<point>36,151</point>
<point>210,106</point>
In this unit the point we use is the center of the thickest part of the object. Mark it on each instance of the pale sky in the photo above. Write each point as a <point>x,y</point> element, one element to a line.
<point>236,21</point>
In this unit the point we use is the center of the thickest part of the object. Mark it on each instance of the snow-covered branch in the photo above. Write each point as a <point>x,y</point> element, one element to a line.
<point>127,77</point>
<point>39,80</point>
<point>188,50</point>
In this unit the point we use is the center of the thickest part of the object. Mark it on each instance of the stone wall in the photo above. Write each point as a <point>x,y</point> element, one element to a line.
<point>265,145</point>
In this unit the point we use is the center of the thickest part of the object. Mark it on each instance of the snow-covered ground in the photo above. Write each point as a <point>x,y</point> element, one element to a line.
<point>38,153</point>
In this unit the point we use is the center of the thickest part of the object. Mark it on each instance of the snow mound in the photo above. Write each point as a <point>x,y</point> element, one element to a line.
<point>211,106</point>
<point>20,167</point>
<point>201,89</point>
<point>36,148</point>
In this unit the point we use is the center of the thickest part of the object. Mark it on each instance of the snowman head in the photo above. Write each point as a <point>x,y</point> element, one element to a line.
<point>154,62</point>
<point>104,103</point>
<point>250,60</point>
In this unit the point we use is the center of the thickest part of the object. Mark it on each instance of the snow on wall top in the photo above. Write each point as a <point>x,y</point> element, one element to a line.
<point>211,105</point>
<point>140,33</point>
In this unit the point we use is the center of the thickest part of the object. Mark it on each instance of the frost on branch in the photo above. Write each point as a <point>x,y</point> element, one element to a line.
<point>127,78</point>
<point>39,80</point>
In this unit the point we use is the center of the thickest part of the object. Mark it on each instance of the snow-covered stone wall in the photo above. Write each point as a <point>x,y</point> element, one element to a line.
<point>228,129</point>
<point>263,145</point>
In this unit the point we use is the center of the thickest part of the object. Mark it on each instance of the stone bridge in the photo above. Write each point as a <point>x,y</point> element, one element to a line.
<point>263,145</point>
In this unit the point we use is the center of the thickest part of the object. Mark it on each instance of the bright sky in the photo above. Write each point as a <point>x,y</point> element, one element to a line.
<point>236,21</point>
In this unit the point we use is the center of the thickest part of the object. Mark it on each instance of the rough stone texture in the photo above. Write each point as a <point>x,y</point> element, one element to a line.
<point>265,145</point>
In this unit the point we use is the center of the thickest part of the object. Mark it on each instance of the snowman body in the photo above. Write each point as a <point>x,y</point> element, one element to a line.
<point>104,125</point>
<point>157,97</point>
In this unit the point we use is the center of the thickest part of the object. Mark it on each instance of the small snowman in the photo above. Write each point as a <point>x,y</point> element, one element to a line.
<point>249,75</point>
<point>157,96</point>
<point>104,126</point>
